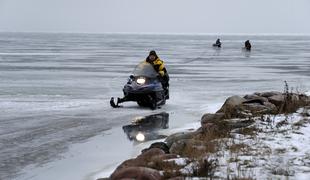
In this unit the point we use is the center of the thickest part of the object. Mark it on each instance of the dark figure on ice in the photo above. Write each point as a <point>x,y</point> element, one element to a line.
<point>247,45</point>
<point>148,85</point>
<point>217,43</point>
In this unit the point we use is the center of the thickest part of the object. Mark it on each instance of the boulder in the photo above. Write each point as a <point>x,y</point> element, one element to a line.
<point>131,163</point>
<point>254,96</point>
<point>161,161</point>
<point>258,99</point>
<point>178,146</point>
<point>255,109</point>
<point>179,136</point>
<point>251,96</point>
<point>212,118</point>
<point>147,155</point>
<point>268,94</point>
<point>138,173</point>
<point>164,157</point>
<point>209,127</point>
<point>229,107</point>
<point>182,147</point>
<point>277,100</point>
<point>239,123</point>
<point>273,108</point>
<point>142,159</point>
<point>160,145</point>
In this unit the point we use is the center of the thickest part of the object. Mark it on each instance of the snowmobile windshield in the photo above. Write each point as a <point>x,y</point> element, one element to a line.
<point>145,69</point>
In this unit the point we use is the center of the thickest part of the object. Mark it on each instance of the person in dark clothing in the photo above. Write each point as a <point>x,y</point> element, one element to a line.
<point>247,45</point>
<point>217,43</point>
<point>159,66</point>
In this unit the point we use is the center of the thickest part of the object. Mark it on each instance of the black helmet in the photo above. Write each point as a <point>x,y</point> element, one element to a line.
<point>153,53</point>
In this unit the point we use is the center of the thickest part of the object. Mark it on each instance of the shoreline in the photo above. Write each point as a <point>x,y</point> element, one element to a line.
<point>108,170</point>
<point>195,153</point>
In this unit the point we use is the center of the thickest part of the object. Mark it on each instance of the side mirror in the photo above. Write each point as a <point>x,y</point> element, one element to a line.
<point>131,77</point>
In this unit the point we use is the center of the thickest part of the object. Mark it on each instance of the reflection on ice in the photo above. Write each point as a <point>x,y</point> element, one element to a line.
<point>147,128</point>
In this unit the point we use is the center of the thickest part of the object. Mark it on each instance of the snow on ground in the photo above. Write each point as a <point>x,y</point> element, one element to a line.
<point>280,149</point>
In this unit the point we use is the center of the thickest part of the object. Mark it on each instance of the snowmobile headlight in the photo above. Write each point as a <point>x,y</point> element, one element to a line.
<point>140,137</point>
<point>141,80</point>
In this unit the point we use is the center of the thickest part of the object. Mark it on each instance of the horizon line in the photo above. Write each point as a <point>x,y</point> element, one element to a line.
<point>163,33</point>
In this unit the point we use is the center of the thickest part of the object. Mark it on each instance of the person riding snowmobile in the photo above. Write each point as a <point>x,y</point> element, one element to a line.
<point>218,43</point>
<point>247,45</point>
<point>159,66</point>
<point>155,92</point>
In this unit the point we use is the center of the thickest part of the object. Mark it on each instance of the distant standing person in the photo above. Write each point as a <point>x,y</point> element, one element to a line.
<point>217,43</point>
<point>247,45</point>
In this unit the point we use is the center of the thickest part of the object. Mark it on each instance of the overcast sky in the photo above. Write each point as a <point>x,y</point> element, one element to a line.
<point>159,16</point>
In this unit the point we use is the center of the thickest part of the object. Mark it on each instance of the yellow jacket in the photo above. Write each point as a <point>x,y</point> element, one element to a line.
<point>158,66</point>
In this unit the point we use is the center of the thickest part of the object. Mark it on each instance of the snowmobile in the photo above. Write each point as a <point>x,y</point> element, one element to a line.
<point>217,45</point>
<point>146,128</point>
<point>143,87</point>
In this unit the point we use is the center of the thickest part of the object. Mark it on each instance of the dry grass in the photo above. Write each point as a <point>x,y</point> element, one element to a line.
<point>237,148</point>
<point>291,101</point>
<point>199,149</point>
<point>250,131</point>
<point>170,168</point>
<point>206,168</point>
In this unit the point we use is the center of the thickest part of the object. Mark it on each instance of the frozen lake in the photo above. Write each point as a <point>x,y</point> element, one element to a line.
<point>56,121</point>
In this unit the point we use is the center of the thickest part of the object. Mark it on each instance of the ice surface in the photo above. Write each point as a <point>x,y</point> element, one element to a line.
<point>55,91</point>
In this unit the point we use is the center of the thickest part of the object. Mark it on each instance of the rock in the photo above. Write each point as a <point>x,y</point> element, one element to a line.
<point>254,96</point>
<point>142,160</point>
<point>164,157</point>
<point>239,123</point>
<point>161,145</point>
<point>273,108</point>
<point>208,127</point>
<point>277,100</point>
<point>250,96</point>
<point>255,109</point>
<point>268,94</point>
<point>147,155</point>
<point>260,100</point>
<point>138,173</point>
<point>179,147</point>
<point>212,118</point>
<point>229,106</point>
<point>209,121</point>
<point>131,163</point>
<point>161,161</point>
<point>179,136</point>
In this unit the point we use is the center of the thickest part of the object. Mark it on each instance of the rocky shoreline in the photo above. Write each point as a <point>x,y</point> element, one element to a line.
<point>244,139</point>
